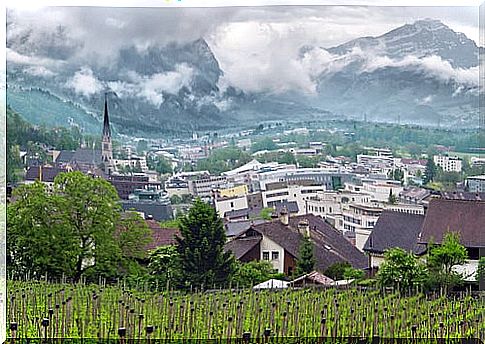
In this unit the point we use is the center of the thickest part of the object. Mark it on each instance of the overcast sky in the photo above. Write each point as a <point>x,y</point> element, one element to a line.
<point>252,44</point>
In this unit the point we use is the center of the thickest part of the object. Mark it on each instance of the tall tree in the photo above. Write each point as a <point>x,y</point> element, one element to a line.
<point>93,209</point>
<point>72,229</point>
<point>38,242</point>
<point>201,248</point>
<point>430,171</point>
<point>306,258</point>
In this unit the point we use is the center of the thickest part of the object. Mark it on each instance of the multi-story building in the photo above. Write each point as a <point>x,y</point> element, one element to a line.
<point>358,222</point>
<point>448,163</point>
<point>204,186</point>
<point>126,184</point>
<point>476,183</point>
<point>281,192</point>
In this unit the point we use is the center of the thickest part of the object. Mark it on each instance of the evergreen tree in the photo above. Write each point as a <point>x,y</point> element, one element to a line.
<point>306,260</point>
<point>201,248</point>
<point>392,199</point>
<point>429,172</point>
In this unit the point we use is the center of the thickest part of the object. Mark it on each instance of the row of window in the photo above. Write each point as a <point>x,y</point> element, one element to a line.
<point>275,255</point>
<point>319,209</point>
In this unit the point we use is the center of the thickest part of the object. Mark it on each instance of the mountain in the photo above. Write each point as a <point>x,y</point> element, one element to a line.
<point>421,73</point>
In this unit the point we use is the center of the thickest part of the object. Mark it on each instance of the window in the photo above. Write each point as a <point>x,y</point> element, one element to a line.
<point>265,255</point>
<point>232,204</point>
<point>275,255</point>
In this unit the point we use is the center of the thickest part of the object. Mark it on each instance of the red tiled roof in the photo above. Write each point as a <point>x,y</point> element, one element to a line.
<point>447,215</point>
<point>161,236</point>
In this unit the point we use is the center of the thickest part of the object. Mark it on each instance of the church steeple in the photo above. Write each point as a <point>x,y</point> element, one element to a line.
<point>107,148</point>
<point>106,128</point>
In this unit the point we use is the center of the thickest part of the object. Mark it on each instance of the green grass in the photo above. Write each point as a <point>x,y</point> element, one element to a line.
<point>97,312</point>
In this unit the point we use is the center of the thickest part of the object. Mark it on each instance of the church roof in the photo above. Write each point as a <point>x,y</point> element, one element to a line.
<point>106,127</point>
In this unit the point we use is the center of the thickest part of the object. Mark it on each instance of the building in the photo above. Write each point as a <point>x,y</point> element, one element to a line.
<point>465,217</point>
<point>204,186</point>
<point>298,191</point>
<point>161,236</point>
<point>226,205</point>
<point>358,222</point>
<point>44,174</point>
<point>126,184</point>
<point>393,229</point>
<point>448,163</point>
<point>476,183</point>
<point>106,144</point>
<point>278,241</point>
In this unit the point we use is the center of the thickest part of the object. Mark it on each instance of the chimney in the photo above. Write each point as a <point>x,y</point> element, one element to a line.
<point>284,216</point>
<point>304,227</point>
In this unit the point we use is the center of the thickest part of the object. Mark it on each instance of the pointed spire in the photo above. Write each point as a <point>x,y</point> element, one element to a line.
<point>106,128</point>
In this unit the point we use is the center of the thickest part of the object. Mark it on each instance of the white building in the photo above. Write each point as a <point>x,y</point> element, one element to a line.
<point>226,204</point>
<point>284,192</point>
<point>476,183</point>
<point>448,163</point>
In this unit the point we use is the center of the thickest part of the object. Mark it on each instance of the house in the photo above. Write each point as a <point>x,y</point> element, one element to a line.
<point>393,229</point>
<point>313,279</point>
<point>44,174</point>
<point>465,217</point>
<point>272,284</point>
<point>161,236</point>
<point>278,241</point>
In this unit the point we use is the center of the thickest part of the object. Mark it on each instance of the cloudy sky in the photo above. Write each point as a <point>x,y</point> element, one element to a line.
<point>255,46</point>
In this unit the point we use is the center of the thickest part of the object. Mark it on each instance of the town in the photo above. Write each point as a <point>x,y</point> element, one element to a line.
<point>271,193</point>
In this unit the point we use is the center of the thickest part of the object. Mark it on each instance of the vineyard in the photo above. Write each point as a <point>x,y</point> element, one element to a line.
<point>41,310</point>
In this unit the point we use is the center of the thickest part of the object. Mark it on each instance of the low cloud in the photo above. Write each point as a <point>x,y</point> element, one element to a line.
<point>40,71</point>
<point>84,82</point>
<point>152,87</point>
<point>434,66</point>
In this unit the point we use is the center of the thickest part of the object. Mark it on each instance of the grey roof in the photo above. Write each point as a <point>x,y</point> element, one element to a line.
<point>49,173</point>
<point>236,228</point>
<point>65,156</point>
<point>80,156</point>
<point>464,196</point>
<point>395,229</point>
<point>242,246</point>
<point>160,212</point>
<point>330,245</point>
<point>291,206</point>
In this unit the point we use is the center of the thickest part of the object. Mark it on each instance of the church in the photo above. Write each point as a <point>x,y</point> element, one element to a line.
<point>91,160</point>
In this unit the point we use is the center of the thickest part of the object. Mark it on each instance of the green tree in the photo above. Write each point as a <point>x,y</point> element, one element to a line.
<point>175,199</point>
<point>254,272</point>
<point>429,172</point>
<point>37,240</point>
<point>392,199</point>
<point>160,164</point>
<point>92,210</point>
<point>441,260</point>
<point>400,269</point>
<point>306,258</point>
<point>265,213</point>
<point>73,229</point>
<point>264,144</point>
<point>336,271</point>
<point>481,269</point>
<point>351,273</point>
<point>132,235</point>
<point>201,248</point>
<point>164,266</point>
